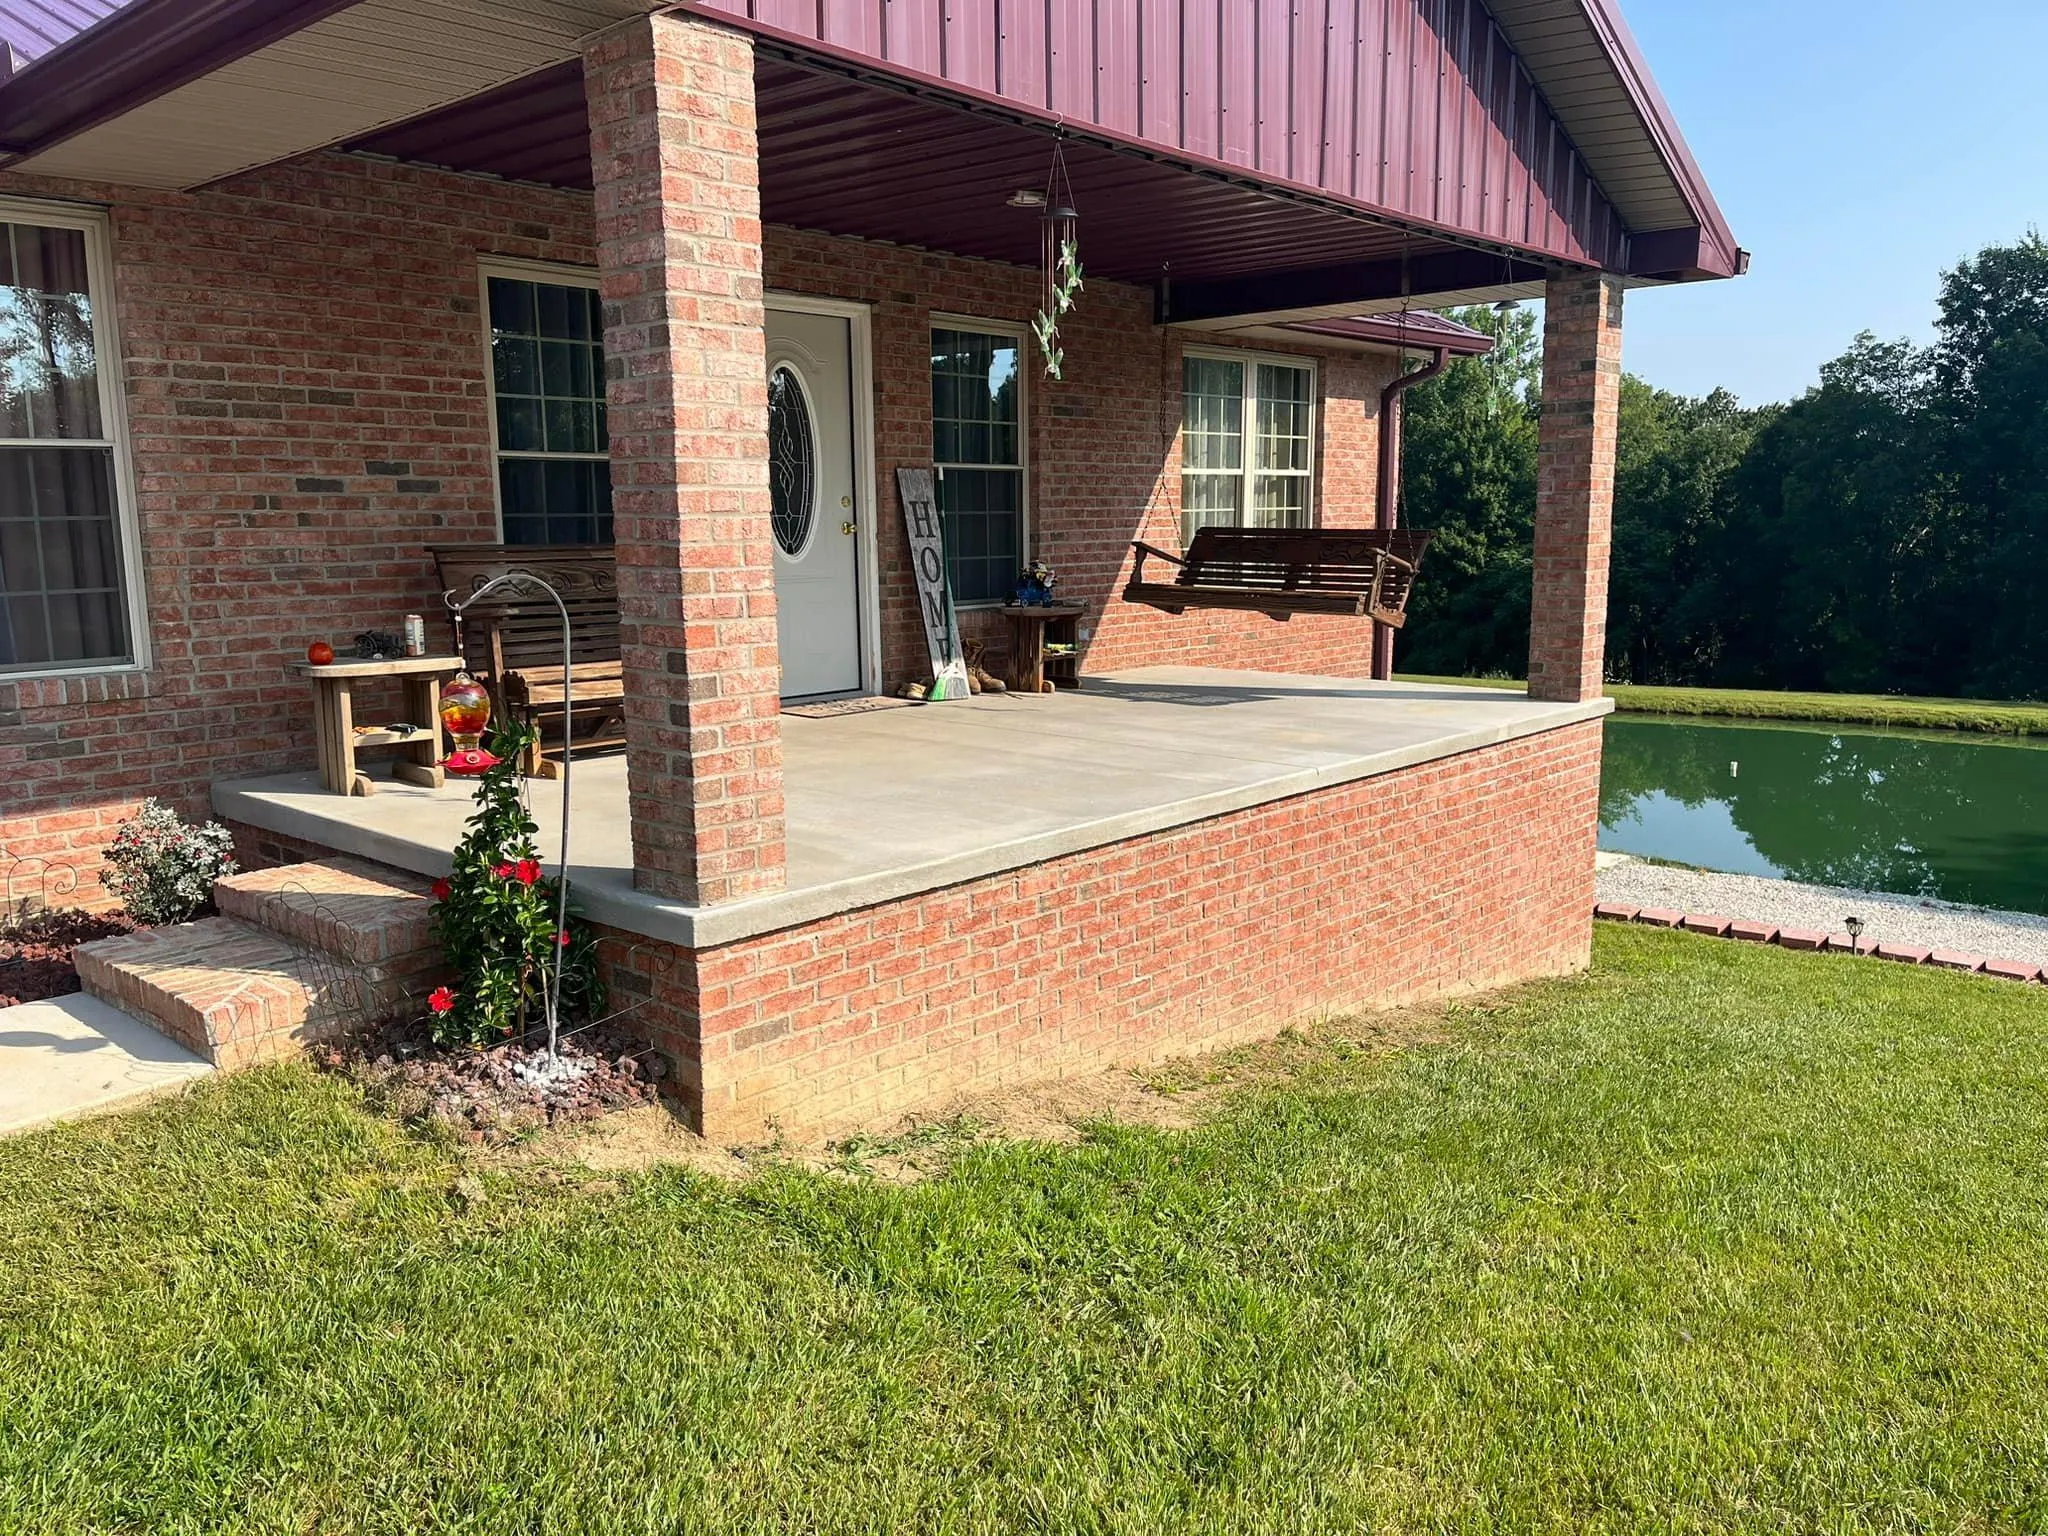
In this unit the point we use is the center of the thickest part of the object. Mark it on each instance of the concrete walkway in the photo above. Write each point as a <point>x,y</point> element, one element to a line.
<point>72,1056</point>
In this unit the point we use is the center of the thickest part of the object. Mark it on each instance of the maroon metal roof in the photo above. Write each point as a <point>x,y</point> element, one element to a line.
<point>1415,110</point>
<point>33,27</point>
<point>1327,133</point>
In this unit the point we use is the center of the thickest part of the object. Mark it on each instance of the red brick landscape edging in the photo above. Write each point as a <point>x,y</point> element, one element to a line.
<point>1716,926</point>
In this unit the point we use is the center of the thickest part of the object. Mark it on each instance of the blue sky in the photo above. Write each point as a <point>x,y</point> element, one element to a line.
<point>1858,150</point>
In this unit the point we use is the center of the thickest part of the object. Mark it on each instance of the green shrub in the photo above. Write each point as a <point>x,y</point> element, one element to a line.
<point>162,867</point>
<point>495,916</point>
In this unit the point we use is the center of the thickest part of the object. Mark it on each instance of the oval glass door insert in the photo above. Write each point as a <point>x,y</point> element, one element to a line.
<point>792,460</point>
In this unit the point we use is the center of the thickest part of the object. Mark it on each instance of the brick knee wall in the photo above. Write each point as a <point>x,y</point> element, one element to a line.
<point>1456,875</point>
<point>257,848</point>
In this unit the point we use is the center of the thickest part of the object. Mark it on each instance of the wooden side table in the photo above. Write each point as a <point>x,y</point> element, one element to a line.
<point>1028,626</point>
<point>334,726</point>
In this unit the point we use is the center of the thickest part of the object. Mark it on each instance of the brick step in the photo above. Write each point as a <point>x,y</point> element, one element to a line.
<point>366,916</point>
<point>235,993</point>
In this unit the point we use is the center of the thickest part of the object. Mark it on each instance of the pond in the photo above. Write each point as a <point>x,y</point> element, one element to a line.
<point>1923,813</point>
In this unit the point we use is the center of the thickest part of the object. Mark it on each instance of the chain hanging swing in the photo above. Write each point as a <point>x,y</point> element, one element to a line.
<point>1281,572</point>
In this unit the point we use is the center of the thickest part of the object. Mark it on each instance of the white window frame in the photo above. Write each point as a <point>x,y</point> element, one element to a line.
<point>110,372</point>
<point>1245,470</point>
<point>941,320</point>
<point>561,275</point>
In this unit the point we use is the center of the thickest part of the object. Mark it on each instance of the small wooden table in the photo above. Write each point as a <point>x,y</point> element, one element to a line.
<point>1027,641</point>
<point>334,726</point>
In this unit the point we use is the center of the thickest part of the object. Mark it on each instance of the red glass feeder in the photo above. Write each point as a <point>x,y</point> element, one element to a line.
<point>465,711</point>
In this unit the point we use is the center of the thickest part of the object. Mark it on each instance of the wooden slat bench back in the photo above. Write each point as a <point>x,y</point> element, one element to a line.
<point>1284,571</point>
<point>513,639</point>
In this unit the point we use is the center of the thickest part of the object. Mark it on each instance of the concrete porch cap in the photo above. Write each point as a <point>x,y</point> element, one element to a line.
<point>890,803</point>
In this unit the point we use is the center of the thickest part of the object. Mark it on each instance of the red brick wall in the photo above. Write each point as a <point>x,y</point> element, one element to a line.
<point>306,395</point>
<point>678,217</point>
<point>1104,453</point>
<point>1469,872</point>
<point>306,392</point>
<point>1575,486</point>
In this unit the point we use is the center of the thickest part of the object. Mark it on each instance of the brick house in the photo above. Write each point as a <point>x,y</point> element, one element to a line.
<point>297,288</point>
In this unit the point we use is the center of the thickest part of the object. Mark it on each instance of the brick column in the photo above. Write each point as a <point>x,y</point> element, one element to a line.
<point>1575,485</point>
<point>678,207</point>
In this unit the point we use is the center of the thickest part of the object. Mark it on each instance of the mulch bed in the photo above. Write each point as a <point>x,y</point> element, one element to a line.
<point>35,951</point>
<point>479,1096</point>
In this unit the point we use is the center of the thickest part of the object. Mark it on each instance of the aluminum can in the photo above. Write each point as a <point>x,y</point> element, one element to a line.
<point>415,635</point>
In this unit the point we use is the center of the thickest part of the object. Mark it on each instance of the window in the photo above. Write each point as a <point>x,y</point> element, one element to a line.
<point>978,448</point>
<point>547,391</point>
<point>792,461</point>
<point>66,568</point>
<point>1218,487</point>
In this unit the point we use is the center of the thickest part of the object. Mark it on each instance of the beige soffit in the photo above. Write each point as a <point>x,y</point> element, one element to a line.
<point>1557,44</point>
<point>378,62</point>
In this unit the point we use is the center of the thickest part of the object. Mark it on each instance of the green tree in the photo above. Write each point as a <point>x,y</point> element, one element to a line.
<point>1882,533</point>
<point>1673,464</point>
<point>1989,399</point>
<point>1833,540</point>
<point>1469,472</point>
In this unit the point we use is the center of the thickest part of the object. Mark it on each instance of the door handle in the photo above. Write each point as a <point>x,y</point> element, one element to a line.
<point>849,529</point>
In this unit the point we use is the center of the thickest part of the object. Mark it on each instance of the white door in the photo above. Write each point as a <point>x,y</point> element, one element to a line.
<point>817,519</point>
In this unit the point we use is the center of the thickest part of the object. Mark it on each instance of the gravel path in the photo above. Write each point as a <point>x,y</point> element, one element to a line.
<point>1789,904</point>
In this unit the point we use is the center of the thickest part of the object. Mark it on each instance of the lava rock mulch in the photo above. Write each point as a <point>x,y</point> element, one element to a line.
<point>501,1094</point>
<point>35,951</point>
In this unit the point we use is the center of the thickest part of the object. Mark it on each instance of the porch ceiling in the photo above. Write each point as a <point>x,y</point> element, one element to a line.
<point>853,158</point>
<point>244,83</point>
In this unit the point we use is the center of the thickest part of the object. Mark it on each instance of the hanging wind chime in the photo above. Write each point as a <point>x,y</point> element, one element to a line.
<point>1059,264</point>
<point>1496,360</point>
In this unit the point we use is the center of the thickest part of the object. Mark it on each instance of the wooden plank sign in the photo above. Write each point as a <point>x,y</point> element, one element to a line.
<point>934,596</point>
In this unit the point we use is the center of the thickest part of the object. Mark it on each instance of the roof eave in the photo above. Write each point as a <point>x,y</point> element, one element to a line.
<point>1683,256</point>
<point>1718,254</point>
<point>135,55</point>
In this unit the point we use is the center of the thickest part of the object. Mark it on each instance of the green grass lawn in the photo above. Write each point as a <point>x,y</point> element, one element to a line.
<point>1717,1238</point>
<point>1838,708</point>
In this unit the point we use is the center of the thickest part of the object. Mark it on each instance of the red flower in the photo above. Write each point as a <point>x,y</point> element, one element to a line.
<point>440,890</point>
<point>562,938</point>
<point>441,999</point>
<point>502,871</point>
<point>527,872</point>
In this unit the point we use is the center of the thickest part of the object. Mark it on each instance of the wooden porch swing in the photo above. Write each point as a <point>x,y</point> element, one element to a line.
<point>1361,572</point>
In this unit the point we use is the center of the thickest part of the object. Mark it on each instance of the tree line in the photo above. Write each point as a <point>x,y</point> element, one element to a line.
<point>1883,533</point>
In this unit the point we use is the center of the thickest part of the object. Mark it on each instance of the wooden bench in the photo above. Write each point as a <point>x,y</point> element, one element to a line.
<point>1361,572</point>
<point>512,640</point>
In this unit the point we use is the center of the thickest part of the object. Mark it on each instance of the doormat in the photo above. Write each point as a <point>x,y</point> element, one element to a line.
<point>831,708</point>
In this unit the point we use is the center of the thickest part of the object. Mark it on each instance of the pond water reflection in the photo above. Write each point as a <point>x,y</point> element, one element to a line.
<point>1963,818</point>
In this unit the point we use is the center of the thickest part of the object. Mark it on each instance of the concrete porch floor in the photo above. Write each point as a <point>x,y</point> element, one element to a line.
<point>890,802</point>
